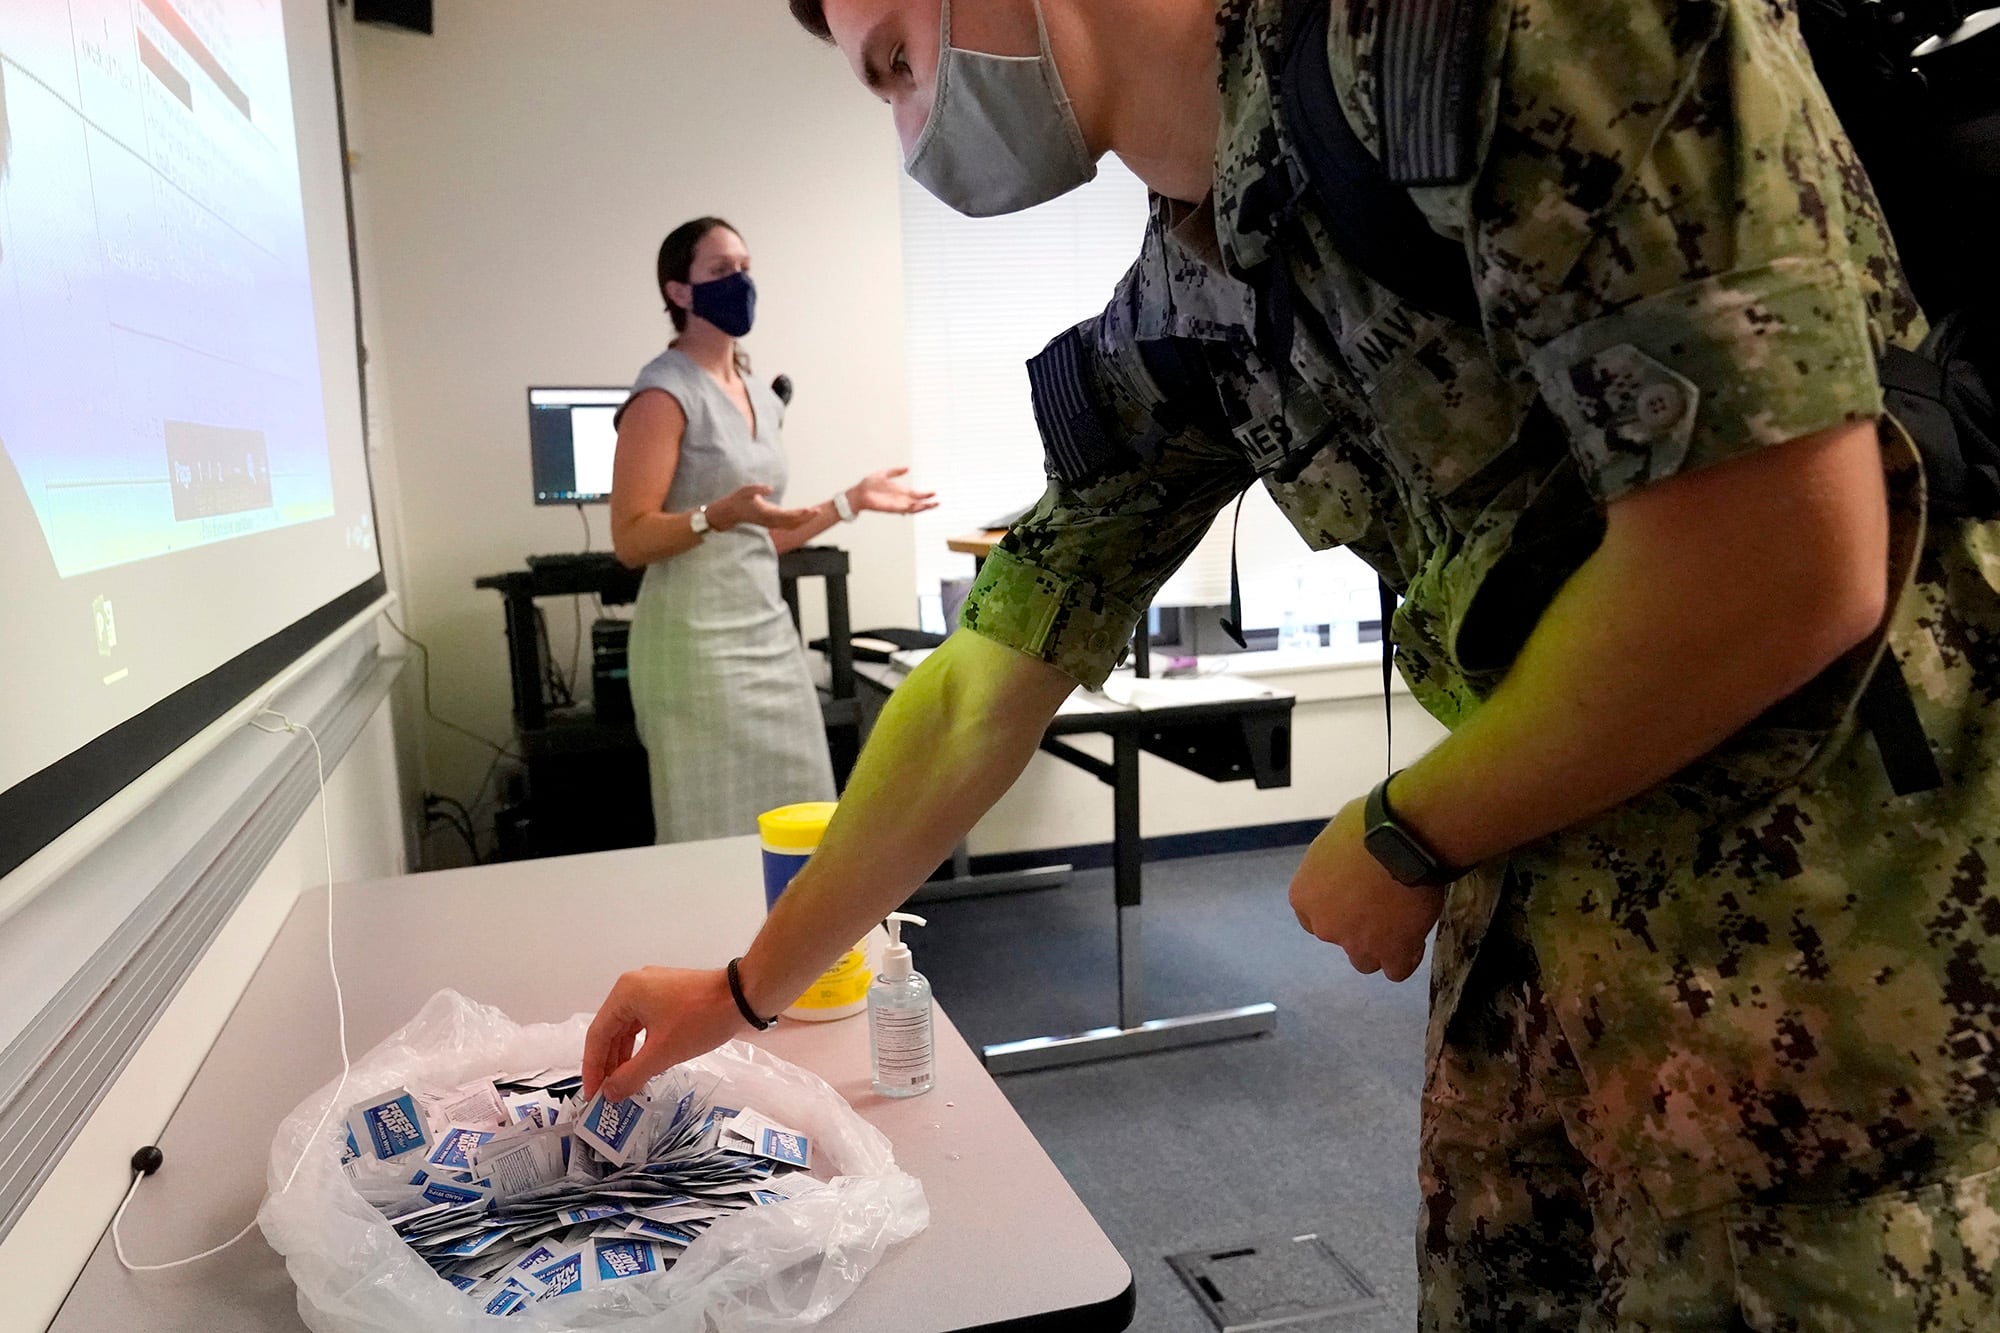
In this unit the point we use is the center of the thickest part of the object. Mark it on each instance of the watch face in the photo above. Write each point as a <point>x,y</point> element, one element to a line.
<point>1407,863</point>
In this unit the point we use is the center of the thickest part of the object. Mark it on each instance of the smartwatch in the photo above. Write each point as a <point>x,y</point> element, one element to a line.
<point>1398,850</point>
<point>698,520</point>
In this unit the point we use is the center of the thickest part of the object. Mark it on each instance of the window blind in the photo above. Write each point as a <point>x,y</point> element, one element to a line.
<point>982,296</point>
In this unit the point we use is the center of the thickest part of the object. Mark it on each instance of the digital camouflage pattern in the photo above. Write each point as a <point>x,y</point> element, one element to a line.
<point>1778,983</point>
<point>1524,1231</point>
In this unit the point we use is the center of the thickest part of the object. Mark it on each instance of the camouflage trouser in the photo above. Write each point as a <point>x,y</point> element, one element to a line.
<point>1521,1232</point>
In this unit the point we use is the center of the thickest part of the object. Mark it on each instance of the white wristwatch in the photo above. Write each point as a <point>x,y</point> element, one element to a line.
<point>843,506</point>
<point>698,520</point>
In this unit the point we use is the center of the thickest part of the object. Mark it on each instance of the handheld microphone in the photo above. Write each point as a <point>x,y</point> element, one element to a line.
<point>782,386</point>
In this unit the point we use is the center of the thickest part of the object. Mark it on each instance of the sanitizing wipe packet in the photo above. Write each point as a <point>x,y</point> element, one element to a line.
<point>645,1264</point>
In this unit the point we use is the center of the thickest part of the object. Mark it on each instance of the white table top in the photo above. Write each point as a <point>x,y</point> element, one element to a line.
<point>1008,1239</point>
<point>1125,692</point>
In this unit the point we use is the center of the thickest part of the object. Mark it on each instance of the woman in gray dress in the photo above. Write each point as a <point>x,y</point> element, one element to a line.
<point>723,697</point>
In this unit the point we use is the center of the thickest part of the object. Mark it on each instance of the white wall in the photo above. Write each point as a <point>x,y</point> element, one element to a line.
<point>384,473</point>
<point>514,175</point>
<point>49,1245</point>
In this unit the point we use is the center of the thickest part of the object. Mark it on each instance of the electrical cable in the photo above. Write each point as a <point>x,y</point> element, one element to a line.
<point>467,827</point>
<point>479,802</point>
<point>455,821</point>
<point>469,830</point>
<point>147,1160</point>
<point>500,752</point>
<point>424,659</point>
<point>576,611</point>
<point>560,694</point>
<point>462,827</point>
<point>456,804</point>
<point>480,805</point>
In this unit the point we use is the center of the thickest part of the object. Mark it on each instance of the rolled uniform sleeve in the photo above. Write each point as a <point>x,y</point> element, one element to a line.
<point>1673,235</point>
<point>1072,578</point>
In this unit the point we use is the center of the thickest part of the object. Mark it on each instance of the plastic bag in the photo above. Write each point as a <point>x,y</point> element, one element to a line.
<point>781,1267</point>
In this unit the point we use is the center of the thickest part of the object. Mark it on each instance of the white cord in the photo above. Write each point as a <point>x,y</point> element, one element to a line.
<point>339,1005</point>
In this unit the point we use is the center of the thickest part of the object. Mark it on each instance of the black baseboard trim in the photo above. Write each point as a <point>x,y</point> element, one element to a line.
<point>1171,847</point>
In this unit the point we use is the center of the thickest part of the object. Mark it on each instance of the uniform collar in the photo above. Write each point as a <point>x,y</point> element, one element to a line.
<point>1189,280</point>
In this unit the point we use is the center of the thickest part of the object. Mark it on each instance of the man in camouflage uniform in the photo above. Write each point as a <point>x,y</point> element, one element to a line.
<point>1714,1017</point>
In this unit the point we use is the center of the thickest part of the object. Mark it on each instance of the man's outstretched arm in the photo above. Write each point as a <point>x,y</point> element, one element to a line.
<point>951,741</point>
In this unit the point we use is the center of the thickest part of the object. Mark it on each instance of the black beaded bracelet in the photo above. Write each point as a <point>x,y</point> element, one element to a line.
<point>743,1005</point>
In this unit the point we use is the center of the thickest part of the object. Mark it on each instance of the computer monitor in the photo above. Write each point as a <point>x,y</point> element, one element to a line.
<point>571,441</point>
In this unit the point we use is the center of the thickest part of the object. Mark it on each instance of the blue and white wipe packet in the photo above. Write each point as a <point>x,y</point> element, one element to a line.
<point>390,1126</point>
<point>625,1257</point>
<point>457,1147</point>
<point>621,1132</point>
<point>757,1135</point>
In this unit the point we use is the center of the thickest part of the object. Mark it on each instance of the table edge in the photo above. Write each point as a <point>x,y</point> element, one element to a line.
<point>1111,1315</point>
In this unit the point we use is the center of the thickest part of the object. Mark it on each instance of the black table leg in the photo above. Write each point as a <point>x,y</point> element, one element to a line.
<point>524,650</point>
<point>1134,1035</point>
<point>1127,871</point>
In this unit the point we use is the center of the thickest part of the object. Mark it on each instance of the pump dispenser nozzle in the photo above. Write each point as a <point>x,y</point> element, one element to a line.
<point>896,961</point>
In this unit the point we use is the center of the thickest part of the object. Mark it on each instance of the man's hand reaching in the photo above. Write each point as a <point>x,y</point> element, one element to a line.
<point>681,1015</point>
<point>954,737</point>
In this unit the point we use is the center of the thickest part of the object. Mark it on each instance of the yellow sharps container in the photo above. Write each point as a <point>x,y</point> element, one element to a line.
<point>791,834</point>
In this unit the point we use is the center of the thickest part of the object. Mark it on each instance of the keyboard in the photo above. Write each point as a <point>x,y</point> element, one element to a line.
<point>570,560</point>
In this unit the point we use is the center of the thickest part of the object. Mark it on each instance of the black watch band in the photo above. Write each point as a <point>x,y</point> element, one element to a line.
<point>742,1004</point>
<point>1398,850</point>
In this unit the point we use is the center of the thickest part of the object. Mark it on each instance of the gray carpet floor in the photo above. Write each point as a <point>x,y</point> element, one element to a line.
<point>1312,1129</point>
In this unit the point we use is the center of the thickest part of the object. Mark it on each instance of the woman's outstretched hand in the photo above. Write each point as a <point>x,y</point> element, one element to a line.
<point>748,504</point>
<point>881,492</point>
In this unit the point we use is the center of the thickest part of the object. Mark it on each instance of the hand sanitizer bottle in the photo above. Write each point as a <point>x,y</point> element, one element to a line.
<point>899,1019</point>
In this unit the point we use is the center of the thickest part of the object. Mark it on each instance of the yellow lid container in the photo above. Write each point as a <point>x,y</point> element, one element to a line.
<point>790,834</point>
<point>843,991</point>
<point>795,828</point>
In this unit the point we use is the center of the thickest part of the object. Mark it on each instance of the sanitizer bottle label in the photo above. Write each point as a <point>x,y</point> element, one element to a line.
<point>902,1047</point>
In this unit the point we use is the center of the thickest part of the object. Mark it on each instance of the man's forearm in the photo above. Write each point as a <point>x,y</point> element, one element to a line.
<point>951,741</point>
<point>1671,638</point>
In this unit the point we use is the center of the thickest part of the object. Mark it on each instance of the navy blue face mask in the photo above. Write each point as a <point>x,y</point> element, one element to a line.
<point>728,303</point>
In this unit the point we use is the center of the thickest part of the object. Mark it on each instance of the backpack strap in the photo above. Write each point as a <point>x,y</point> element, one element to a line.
<point>1890,715</point>
<point>1427,62</point>
<point>1232,624</point>
<point>1387,597</point>
<point>1913,389</point>
<point>1942,393</point>
<point>1369,212</point>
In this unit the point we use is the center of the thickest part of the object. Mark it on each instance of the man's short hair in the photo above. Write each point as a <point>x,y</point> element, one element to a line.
<point>811,15</point>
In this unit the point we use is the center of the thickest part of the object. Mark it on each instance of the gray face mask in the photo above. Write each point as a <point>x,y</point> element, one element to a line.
<point>1001,135</point>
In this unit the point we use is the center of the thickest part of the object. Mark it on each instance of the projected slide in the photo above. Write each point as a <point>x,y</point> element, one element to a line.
<point>184,493</point>
<point>153,233</point>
